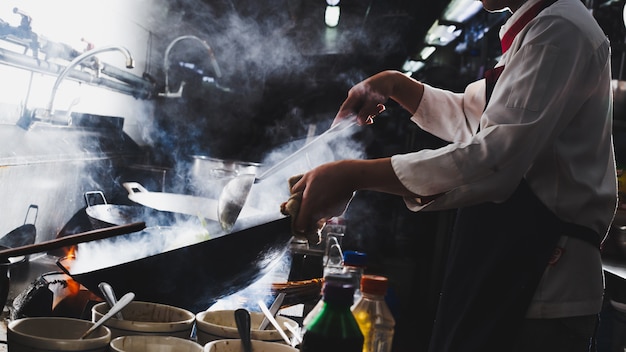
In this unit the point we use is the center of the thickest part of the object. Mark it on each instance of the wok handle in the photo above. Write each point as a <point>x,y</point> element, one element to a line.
<point>134,187</point>
<point>73,240</point>
<point>88,196</point>
<point>31,207</point>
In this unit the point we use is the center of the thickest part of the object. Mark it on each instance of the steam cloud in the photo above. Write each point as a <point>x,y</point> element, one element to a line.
<point>253,53</point>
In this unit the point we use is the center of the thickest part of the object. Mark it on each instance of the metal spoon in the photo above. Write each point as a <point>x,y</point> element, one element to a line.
<point>273,310</point>
<point>123,302</point>
<point>234,195</point>
<point>272,320</point>
<point>242,318</point>
<point>109,297</point>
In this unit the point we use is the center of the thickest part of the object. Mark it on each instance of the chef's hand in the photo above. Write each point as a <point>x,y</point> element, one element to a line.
<point>327,191</point>
<point>367,99</point>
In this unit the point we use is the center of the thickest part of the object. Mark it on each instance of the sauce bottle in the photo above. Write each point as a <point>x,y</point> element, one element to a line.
<point>334,328</point>
<point>373,315</point>
<point>354,264</point>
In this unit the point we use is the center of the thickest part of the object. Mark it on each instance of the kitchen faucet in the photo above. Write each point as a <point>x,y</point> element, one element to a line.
<point>166,64</point>
<point>130,63</point>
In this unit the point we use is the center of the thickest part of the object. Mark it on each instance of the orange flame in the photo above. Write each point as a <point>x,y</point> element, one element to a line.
<point>71,252</point>
<point>72,286</point>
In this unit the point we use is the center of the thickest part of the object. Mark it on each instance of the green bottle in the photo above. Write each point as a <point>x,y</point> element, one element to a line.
<point>334,328</point>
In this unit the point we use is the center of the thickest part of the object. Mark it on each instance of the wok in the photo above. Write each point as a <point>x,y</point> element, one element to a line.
<point>6,264</point>
<point>21,236</point>
<point>24,234</point>
<point>195,276</point>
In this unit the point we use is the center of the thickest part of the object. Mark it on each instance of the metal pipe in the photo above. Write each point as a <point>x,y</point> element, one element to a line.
<point>166,63</point>
<point>130,63</point>
<point>136,86</point>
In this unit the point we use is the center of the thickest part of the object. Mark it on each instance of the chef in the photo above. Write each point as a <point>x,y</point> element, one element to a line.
<point>530,168</point>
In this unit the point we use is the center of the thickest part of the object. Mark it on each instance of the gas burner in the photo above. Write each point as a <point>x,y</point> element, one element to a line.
<point>54,294</point>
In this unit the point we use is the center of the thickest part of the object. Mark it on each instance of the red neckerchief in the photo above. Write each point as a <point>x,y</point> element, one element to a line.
<point>492,75</point>
<point>522,21</point>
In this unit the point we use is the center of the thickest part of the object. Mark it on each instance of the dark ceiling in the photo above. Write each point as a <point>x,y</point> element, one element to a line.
<point>371,35</point>
<point>287,69</point>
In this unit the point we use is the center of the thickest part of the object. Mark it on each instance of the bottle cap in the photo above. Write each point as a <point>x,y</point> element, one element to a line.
<point>338,277</point>
<point>354,258</point>
<point>338,292</point>
<point>374,284</point>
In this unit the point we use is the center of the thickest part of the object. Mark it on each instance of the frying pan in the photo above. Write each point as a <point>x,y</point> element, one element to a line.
<point>195,276</point>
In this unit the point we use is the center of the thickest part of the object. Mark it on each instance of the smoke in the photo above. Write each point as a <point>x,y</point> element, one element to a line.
<point>95,255</point>
<point>271,85</point>
<point>258,110</point>
<point>270,192</point>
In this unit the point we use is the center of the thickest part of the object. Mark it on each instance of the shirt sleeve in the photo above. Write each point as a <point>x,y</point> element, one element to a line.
<point>529,107</point>
<point>453,117</point>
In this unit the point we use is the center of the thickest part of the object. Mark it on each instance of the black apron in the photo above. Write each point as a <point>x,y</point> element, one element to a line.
<point>498,254</point>
<point>497,257</point>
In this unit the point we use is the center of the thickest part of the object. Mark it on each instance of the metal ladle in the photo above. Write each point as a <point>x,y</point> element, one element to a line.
<point>109,296</point>
<point>234,195</point>
<point>242,319</point>
<point>123,302</point>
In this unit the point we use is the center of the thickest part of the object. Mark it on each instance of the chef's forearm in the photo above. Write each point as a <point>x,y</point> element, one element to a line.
<point>376,175</point>
<point>405,90</point>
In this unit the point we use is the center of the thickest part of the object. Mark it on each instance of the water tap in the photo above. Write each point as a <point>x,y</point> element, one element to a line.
<point>130,63</point>
<point>166,64</point>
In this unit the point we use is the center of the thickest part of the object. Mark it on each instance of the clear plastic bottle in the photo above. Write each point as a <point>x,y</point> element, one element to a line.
<point>373,315</point>
<point>334,328</point>
<point>354,264</point>
<point>333,234</point>
<point>335,277</point>
<point>333,256</point>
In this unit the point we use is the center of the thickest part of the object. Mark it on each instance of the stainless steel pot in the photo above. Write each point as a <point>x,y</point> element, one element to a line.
<point>208,176</point>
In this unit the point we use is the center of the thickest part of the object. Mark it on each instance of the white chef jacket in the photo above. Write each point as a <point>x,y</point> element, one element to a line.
<point>549,120</point>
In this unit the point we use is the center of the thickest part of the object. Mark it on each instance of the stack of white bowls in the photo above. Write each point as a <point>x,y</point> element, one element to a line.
<point>55,334</point>
<point>146,318</point>
<point>148,326</point>
<point>220,324</point>
<point>145,327</point>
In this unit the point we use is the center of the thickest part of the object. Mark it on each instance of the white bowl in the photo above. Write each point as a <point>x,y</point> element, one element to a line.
<point>144,343</point>
<point>220,324</point>
<point>234,345</point>
<point>145,318</point>
<point>55,334</point>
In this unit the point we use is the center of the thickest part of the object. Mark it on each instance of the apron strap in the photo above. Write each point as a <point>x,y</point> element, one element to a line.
<point>582,233</point>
